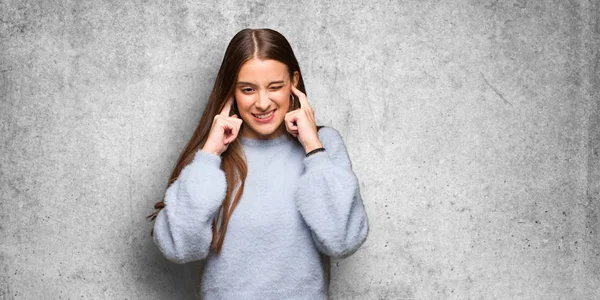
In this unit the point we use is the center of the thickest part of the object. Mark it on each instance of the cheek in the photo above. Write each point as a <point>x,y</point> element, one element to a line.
<point>243,102</point>
<point>283,99</point>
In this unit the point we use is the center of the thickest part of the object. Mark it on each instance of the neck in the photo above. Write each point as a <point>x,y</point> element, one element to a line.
<point>253,135</point>
<point>253,142</point>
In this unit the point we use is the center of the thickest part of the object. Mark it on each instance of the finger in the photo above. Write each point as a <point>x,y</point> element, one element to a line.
<point>227,108</point>
<point>234,129</point>
<point>290,120</point>
<point>293,133</point>
<point>293,130</point>
<point>236,121</point>
<point>291,127</point>
<point>229,136</point>
<point>228,125</point>
<point>301,97</point>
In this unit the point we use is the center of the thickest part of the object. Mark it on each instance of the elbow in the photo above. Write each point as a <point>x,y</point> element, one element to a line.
<point>182,257</point>
<point>355,243</point>
<point>168,250</point>
<point>178,255</point>
<point>341,250</point>
<point>179,258</point>
<point>345,247</point>
<point>175,258</point>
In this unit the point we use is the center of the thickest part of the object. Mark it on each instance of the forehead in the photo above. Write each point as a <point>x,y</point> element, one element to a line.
<point>262,71</point>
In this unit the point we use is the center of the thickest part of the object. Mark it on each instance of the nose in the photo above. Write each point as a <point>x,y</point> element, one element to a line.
<point>263,101</point>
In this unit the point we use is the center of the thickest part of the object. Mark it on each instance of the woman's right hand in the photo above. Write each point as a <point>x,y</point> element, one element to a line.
<point>223,131</point>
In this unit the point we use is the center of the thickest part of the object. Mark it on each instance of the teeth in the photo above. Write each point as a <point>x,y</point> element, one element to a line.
<point>264,116</point>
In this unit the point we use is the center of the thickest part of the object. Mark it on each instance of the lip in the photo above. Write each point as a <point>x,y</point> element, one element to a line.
<point>264,121</point>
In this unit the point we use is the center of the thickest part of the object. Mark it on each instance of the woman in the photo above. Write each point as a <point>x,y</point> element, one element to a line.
<point>260,192</point>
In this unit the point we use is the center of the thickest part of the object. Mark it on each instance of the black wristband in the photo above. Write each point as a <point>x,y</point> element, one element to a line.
<point>315,151</point>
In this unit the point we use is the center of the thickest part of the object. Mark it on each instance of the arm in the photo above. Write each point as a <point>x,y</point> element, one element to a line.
<point>329,200</point>
<point>183,228</point>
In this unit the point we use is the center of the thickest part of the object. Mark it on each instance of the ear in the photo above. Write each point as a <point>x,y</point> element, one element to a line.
<point>296,78</point>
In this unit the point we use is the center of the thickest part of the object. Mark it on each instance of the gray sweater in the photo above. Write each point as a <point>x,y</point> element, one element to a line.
<point>292,208</point>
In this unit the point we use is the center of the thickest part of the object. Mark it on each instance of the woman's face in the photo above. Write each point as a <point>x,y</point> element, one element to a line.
<point>262,94</point>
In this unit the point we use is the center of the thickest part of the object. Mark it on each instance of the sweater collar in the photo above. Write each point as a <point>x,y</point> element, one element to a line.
<point>264,143</point>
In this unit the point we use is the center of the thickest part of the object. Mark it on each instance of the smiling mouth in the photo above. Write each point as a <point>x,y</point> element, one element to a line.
<point>264,116</point>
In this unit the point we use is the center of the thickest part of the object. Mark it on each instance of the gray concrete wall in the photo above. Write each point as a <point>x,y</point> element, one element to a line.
<point>473,127</point>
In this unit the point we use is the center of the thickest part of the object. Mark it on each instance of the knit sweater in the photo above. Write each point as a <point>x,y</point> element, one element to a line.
<point>292,208</point>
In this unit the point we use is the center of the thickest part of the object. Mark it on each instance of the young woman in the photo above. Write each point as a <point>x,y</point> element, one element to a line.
<point>260,192</point>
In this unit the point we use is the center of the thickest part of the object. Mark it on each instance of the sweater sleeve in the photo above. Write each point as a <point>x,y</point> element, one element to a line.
<point>329,200</point>
<point>183,228</point>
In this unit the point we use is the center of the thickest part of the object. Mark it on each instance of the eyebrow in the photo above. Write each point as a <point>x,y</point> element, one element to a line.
<point>248,83</point>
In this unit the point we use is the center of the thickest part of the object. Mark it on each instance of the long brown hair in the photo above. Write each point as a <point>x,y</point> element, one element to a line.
<point>245,45</point>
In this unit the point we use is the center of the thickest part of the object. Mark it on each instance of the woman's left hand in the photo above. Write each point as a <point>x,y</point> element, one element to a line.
<point>301,123</point>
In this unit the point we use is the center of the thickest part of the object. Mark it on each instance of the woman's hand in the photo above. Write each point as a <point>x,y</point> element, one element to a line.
<point>301,123</point>
<point>223,131</point>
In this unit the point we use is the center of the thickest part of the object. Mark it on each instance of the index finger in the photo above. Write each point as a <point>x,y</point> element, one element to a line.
<point>227,108</point>
<point>303,101</point>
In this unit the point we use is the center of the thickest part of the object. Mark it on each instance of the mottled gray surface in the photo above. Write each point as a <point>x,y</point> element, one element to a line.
<point>473,126</point>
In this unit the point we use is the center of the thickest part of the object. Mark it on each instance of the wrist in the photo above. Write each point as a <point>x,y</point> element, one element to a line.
<point>316,150</point>
<point>208,150</point>
<point>312,146</point>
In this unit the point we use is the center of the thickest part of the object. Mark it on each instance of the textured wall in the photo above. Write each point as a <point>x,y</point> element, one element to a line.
<point>473,126</point>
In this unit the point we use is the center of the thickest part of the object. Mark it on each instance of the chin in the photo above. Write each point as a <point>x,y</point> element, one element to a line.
<point>265,131</point>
